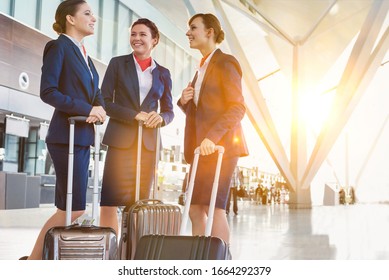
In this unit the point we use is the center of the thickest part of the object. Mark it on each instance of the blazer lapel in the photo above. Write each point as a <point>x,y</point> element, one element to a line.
<point>133,82</point>
<point>80,57</point>
<point>76,50</point>
<point>210,66</point>
<point>89,82</point>
<point>95,80</point>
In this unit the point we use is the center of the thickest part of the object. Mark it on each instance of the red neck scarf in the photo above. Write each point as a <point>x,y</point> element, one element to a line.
<point>204,59</point>
<point>144,64</point>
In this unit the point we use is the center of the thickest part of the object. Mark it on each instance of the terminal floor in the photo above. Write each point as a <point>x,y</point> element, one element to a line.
<point>259,232</point>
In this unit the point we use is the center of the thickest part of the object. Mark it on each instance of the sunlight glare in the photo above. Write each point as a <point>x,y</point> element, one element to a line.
<point>315,109</point>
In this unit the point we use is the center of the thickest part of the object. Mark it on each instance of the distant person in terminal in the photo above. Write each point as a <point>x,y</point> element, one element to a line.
<point>214,107</point>
<point>69,83</point>
<point>135,88</point>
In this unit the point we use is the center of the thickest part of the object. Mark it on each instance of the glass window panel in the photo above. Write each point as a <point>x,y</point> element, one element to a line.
<point>91,42</point>
<point>30,167</point>
<point>30,152</point>
<point>42,155</point>
<point>5,6</point>
<point>108,30</point>
<point>35,153</point>
<point>11,151</point>
<point>170,56</point>
<point>124,22</point>
<point>11,148</point>
<point>48,17</point>
<point>31,143</point>
<point>25,11</point>
<point>159,51</point>
<point>187,71</point>
<point>178,73</point>
<point>135,17</point>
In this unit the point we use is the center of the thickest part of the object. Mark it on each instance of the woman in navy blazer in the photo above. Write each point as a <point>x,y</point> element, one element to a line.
<point>214,107</point>
<point>135,88</point>
<point>69,83</point>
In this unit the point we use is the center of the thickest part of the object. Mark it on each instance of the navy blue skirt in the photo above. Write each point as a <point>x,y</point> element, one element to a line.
<point>204,180</point>
<point>119,179</point>
<point>59,154</point>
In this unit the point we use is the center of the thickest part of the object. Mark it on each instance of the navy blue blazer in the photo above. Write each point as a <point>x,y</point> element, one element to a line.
<point>67,85</point>
<point>120,90</point>
<point>219,111</point>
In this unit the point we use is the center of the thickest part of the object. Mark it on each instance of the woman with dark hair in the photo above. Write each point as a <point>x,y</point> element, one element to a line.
<point>135,88</point>
<point>214,107</point>
<point>69,83</point>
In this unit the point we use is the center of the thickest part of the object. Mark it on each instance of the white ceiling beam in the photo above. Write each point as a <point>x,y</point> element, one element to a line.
<point>189,8</point>
<point>268,27</point>
<point>361,67</point>
<point>258,112</point>
<point>321,18</point>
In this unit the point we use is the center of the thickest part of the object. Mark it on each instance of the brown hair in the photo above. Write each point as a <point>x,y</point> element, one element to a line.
<point>67,7</point>
<point>211,21</point>
<point>151,25</point>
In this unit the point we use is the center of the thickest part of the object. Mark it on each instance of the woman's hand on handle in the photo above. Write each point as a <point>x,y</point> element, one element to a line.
<point>142,116</point>
<point>150,120</point>
<point>96,114</point>
<point>207,147</point>
<point>153,120</point>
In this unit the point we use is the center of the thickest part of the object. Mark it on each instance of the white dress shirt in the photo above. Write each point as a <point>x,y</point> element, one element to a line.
<point>145,79</point>
<point>201,72</point>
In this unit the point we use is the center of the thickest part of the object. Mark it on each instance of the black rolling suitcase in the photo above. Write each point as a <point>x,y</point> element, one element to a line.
<point>168,247</point>
<point>146,216</point>
<point>80,242</point>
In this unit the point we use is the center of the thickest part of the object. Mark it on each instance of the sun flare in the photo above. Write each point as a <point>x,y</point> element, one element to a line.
<point>315,109</point>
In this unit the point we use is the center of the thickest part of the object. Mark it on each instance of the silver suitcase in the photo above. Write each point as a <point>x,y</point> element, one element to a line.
<point>81,242</point>
<point>147,216</point>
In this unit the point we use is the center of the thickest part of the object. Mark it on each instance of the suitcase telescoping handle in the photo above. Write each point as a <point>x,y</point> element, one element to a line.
<point>212,203</point>
<point>69,194</point>
<point>138,161</point>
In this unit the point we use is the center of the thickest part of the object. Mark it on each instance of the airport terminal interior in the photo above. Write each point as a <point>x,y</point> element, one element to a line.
<point>315,81</point>
<point>258,232</point>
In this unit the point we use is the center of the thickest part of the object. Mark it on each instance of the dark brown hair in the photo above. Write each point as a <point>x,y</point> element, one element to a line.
<point>211,21</point>
<point>151,25</point>
<point>67,7</point>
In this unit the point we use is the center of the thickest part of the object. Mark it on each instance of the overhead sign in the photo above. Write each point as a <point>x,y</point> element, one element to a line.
<point>17,126</point>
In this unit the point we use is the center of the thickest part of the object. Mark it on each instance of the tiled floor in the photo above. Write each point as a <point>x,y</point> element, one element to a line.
<point>271,232</point>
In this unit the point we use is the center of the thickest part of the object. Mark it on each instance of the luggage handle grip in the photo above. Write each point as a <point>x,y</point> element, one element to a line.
<point>141,123</point>
<point>138,160</point>
<point>69,192</point>
<point>148,201</point>
<point>218,148</point>
<point>211,210</point>
<point>75,119</point>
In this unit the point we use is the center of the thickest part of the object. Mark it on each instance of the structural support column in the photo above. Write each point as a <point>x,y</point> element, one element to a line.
<point>299,197</point>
